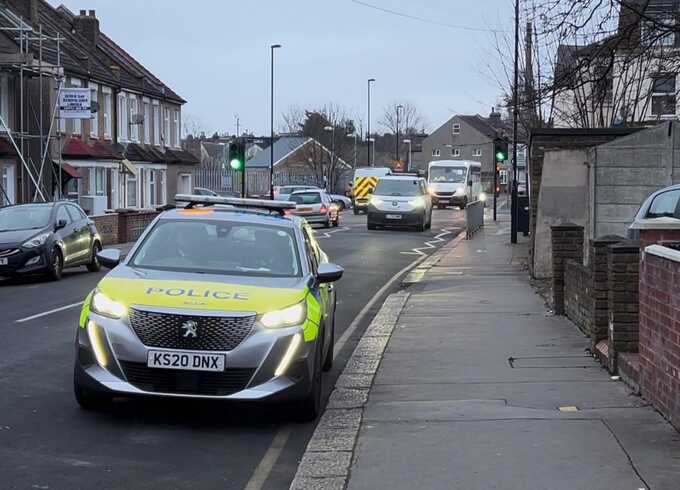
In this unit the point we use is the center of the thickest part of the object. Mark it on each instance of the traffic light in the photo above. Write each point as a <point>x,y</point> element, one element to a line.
<point>501,150</point>
<point>237,155</point>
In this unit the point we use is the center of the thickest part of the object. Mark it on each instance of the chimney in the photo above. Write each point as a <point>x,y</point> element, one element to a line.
<point>87,25</point>
<point>494,116</point>
<point>26,9</point>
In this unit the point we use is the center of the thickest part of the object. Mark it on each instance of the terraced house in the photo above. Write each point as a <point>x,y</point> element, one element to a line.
<point>127,154</point>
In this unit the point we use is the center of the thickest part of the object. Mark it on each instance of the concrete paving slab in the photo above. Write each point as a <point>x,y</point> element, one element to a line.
<point>503,455</point>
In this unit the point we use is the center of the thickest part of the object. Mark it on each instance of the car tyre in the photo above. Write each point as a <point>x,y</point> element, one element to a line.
<point>56,266</point>
<point>94,265</point>
<point>309,407</point>
<point>88,399</point>
<point>355,210</point>
<point>422,226</point>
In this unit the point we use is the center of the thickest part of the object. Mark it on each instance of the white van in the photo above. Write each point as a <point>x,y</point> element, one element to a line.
<point>454,182</point>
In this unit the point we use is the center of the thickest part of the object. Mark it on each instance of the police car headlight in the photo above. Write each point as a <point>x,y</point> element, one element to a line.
<point>482,196</point>
<point>293,315</point>
<point>36,241</point>
<point>418,202</point>
<point>105,306</point>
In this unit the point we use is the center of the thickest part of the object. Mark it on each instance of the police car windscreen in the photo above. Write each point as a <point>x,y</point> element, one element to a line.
<point>455,175</point>
<point>306,198</point>
<point>387,187</point>
<point>219,247</point>
<point>32,216</point>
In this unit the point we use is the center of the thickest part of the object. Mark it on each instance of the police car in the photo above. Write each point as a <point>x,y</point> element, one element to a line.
<point>224,299</point>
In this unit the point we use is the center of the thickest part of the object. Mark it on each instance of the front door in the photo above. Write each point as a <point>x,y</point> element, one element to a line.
<point>67,236</point>
<point>81,230</point>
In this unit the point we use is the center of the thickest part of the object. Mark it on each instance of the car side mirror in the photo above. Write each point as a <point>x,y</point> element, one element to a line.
<point>109,257</point>
<point>60,224</point>
<point>470,183</point>
<point>328,272</point>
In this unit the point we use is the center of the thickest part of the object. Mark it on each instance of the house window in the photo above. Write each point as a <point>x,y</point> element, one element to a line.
<point>455,152</point>
<point>77,123</point>
<point>134,127</point>
<point>4,100</point>
<point>166,126</point>
<point>147,122</point>
<point>164,199</point>
<point>151,189</point>
<point>94,119</point>
<point>455,128</point>
<point>503,177</point>
<point>122,118</point>
<point>663,95</point>
<point>175,126</point>
<point>184,184</point>
<point>477,152</point>
<point>436,152</point>
<point>108,108</point>
<point>97,181</point>
<point>131,191</point>
<point>156,123</point>
<point>7,182</point>
<point>659,32</point>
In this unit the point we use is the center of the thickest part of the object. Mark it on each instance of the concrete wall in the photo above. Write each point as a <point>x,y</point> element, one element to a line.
<point>627,171</point>
<point>563,197</point>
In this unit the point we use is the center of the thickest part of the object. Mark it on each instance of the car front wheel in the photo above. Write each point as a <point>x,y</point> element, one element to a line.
<point>56,266</point>
<point>310,406</point>
<point>94,265</point>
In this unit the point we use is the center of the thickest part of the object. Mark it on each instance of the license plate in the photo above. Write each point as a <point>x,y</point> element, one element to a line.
<point>393,216</point>
<point>4,261</point>
<point>192,361</point>
<point>304,210</point>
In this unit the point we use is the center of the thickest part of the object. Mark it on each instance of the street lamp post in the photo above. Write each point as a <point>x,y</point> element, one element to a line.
<point>398,108</point>
<point>354,135</point>
<point>408,166</point>
<point>271,139</point>
<point>372,140</point>
<point>515,115</point>
<point>368,132</point>
<point>326,183</point>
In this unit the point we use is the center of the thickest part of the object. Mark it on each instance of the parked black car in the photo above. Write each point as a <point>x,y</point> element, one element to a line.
<point>46,238</point>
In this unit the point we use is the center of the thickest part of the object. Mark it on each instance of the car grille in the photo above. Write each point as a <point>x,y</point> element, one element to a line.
<point>8,252</point>
<point>444,194</point>
<point>155,380</point>
<point>212,332</point>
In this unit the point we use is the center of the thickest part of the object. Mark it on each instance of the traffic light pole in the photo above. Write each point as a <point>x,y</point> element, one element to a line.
<point>515,115</point>
<point>495,190</point>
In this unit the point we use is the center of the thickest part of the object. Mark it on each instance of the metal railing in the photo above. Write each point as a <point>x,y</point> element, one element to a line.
<point>474,218</point>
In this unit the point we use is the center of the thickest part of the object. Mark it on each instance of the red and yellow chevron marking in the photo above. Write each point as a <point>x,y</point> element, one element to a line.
<point>362,186</point>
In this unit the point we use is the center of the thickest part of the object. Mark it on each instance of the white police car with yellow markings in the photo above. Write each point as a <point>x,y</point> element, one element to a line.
<point>225,298</point>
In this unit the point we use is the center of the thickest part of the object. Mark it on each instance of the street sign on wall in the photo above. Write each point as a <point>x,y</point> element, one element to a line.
<point>74,103</point>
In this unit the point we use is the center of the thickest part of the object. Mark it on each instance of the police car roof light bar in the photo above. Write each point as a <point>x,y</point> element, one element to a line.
<point>192,200</point>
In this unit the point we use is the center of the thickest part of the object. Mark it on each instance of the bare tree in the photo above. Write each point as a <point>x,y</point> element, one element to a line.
<point>411,120</point>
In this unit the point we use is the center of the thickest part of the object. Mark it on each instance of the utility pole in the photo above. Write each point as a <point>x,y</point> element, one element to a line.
<point>515,116</point>
<point>271,139</point>
<point>398,108</point>
<point>368,132</point>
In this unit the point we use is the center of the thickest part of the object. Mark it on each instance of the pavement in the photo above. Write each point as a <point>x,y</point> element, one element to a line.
<point>46,441</point>
<point>464,380</point>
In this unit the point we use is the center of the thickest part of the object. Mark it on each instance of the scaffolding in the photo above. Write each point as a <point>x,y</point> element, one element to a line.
<point>36,183</point>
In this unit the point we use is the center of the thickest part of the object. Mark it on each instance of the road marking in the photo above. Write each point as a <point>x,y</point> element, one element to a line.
<point>430,244</point>
<point>49,312</point>
<point>327,234</point>
<point>261,473</point>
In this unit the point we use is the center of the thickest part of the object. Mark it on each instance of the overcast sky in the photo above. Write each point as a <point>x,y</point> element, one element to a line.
<point>215,54</point>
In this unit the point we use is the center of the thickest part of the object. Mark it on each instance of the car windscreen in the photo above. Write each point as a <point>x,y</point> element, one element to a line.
<point>454,175</point>
<point>306,198</point>
<point>24,217</point>
<point>395,187</point>
<point>219,247</point>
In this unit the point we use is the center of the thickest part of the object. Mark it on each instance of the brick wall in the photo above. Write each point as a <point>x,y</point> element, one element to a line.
<point>624,266</point>
<point>599,249</point>
<point>567,243</point>
<point>131,225</point>
<point>651,237</point>
<point>660,330</point>
<point>107,226</point>
<point>577,294</point>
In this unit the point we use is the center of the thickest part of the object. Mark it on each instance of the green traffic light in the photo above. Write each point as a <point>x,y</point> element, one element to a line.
<point>500,156</point>
<point>236,164</point>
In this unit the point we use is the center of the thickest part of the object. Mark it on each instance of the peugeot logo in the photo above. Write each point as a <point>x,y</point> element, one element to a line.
<point>395,203</point>
<point>190,329</point>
